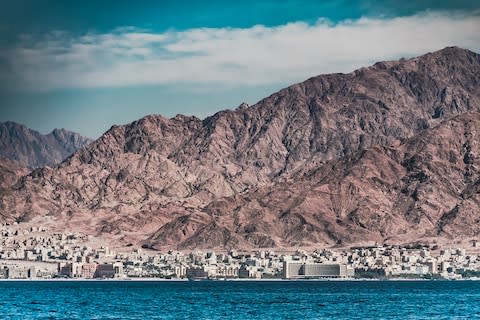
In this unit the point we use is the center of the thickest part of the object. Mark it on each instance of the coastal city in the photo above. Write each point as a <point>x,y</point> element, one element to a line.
<point>38,253</point>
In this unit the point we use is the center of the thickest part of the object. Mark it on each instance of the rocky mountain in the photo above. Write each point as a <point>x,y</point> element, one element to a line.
<point>10,172</point>
<point>426,188</point>
<point>32,149</point>
<point>385,153</point>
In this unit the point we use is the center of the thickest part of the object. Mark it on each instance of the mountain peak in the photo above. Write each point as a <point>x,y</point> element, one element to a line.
<point>450,50</point>
<point>32,149</point>
<point>59,131</point>
<point>334,159</point>
<point>243,106</point>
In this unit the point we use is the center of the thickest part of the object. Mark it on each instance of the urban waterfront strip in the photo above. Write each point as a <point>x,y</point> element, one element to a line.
<point>37,253</point>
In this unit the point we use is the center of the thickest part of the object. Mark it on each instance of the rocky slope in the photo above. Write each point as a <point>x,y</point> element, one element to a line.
<point>10,172</point>
<point>426,188</point>
<point>32,149</point>
<point>339,158</point>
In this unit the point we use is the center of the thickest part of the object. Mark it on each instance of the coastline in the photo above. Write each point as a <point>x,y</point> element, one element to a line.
<point>230,280</point>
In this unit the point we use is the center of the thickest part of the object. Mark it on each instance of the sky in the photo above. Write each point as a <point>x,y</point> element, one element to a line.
<point>87,65</point>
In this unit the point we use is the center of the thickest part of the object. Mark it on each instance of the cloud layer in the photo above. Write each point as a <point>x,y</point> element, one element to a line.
<point>226,57</point>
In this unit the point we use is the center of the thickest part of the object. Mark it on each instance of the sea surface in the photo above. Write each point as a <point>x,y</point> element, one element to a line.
<point>240,300</point>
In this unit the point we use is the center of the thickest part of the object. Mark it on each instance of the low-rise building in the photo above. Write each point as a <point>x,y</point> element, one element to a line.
<point>303,270</point>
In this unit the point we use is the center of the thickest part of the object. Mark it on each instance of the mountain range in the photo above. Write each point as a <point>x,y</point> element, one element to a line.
<point>387,153</point>
<point>32,149</point>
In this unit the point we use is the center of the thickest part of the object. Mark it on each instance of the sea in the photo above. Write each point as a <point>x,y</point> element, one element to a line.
<point>240,300</point>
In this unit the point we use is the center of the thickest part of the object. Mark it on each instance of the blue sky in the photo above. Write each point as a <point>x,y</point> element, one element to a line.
<point>87,65</point>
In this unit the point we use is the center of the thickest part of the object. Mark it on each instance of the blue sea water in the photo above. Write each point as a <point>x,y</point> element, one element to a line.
<point>240,300</point>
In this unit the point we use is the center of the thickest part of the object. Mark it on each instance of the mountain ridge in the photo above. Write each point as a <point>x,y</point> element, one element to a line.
<point>185,183</point>
<point>32,149</point>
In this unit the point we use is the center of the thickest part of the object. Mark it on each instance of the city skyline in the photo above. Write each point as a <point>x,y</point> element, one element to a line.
<point>40,253</point>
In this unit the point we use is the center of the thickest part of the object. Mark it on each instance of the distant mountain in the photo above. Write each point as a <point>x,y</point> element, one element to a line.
<point>32,149</point>
<point>388,152</point>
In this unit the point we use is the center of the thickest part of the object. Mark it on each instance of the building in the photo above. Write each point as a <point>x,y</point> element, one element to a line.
<point>180,271</point>
<point>21,272</point>
<point>246,271</point>
<point>105,270</point>
<point>196,273</point>
<point>303,270</point>
<point>118,270</point>
<point>88,270</point>
<point>4,273</point>
<point>65,270</point>
<point>227,271</point>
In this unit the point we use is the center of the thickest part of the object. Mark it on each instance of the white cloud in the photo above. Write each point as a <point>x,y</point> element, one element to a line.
<point>226,56</point>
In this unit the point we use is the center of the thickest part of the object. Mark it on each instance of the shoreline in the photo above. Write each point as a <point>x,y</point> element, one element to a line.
<point>232,280</point>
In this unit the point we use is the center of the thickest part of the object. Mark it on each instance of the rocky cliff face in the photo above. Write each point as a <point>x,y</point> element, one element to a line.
<point>385,152</point>
<point>426,188</point>
<point>31,149</point>
<point>10,172</point>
